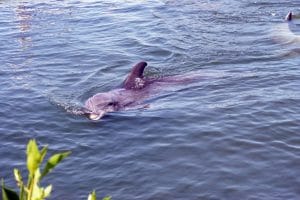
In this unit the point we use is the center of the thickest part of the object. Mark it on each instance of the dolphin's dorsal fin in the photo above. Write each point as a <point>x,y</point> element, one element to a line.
<point>289,16</point>
<point>134,79</point>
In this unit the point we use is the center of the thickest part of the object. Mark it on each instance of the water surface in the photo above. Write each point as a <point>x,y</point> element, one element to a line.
<point>235,135</point>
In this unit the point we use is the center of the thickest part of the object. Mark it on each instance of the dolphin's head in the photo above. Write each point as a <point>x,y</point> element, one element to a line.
<point>100,104</point>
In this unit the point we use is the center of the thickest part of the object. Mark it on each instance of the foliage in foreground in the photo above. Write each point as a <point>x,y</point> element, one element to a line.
<point>32,189</point>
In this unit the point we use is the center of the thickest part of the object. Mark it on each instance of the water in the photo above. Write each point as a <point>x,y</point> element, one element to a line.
<point>232,136</point>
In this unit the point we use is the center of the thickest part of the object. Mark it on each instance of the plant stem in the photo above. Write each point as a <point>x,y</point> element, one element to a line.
<point>30,187</point>
<point>22,191</point>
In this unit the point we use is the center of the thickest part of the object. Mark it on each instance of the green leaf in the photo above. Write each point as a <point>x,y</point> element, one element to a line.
<point>43,153</point>
<point>53,161</point>
<point>8,194</point>
<point>33,157</point>
<point>92,196</point>
<point>37,176</point>
<point>47,191</point>
<point>18,176</point>
<point>107,198</point>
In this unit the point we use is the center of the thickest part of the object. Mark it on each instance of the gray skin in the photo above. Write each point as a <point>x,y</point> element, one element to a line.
<point>135,89</point>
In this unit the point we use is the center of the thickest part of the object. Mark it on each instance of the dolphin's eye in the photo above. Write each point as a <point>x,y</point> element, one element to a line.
<point>111,103</point>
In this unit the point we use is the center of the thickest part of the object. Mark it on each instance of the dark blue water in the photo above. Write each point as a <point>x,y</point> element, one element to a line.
<point>235,135</point>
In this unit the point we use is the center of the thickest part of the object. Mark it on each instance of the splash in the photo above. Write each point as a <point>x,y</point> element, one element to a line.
<point>71,107</point>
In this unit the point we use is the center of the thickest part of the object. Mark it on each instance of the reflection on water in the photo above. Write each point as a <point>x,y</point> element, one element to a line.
<point>24,18</point>
<point>21,61</point>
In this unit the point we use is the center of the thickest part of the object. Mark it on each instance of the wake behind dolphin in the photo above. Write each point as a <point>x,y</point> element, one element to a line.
<point>135,89</point>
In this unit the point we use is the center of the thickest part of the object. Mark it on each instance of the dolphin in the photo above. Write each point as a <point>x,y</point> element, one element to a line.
<point>135,89</point>
<point>284,34</point>
<point>289,16</point>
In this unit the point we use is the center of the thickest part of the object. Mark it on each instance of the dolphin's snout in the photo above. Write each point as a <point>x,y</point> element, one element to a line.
<point>94,116</point>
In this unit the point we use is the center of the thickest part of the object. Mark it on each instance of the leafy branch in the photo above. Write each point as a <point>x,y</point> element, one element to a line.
<point>32,190</point>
